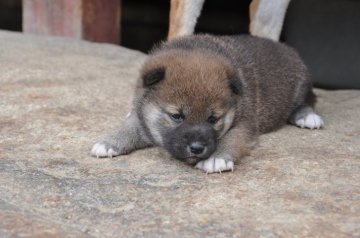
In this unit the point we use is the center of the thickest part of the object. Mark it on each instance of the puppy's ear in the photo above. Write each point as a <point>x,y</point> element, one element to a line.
<point>153,76</point>
<point>235,84</point>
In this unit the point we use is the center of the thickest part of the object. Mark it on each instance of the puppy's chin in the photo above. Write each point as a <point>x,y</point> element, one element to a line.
<point>189,157</point>
<point>192,160</point>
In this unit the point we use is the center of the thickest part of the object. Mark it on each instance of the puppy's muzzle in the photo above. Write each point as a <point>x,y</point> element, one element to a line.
<point>196,141</point>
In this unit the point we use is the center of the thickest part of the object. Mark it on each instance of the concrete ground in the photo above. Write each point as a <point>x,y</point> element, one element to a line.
<point>57,96</point>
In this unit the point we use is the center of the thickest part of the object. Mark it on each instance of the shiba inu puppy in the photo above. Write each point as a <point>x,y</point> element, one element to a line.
<point>206,99</point>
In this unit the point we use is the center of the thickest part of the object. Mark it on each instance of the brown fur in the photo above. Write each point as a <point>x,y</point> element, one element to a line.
<point>195,77</point>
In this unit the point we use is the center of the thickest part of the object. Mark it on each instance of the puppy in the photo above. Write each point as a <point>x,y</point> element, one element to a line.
<point>206,99</point>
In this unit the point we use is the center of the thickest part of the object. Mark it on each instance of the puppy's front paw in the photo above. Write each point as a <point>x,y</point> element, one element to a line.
<point>311,121</point>
<point>216,164</point>
<point>104,149</point>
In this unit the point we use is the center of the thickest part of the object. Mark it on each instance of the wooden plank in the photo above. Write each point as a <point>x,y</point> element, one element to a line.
<point>95,20</point>
<point>105,16</point>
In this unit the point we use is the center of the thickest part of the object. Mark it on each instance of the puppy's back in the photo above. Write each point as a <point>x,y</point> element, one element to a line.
<point>274,75</point>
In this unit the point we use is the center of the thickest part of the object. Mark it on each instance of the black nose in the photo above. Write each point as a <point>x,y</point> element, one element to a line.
<point>197,148</point>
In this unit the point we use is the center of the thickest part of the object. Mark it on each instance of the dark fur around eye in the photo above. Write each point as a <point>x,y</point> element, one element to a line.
<point>212,119</point>
<point>177,117</point>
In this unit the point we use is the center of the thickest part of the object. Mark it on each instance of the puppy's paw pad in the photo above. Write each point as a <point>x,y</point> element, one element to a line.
<point>215,165</point>
<point>101,149</point>
<point>311,121</point>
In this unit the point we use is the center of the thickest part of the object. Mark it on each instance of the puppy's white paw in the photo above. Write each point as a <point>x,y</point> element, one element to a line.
<point>101,149</point>
<point>311,121</point>
<point>216,164</point>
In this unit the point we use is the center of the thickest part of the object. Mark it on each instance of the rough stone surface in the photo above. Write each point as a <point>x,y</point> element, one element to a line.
<point>57,96</point>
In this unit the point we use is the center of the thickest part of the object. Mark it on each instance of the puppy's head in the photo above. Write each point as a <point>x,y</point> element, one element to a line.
<point>189,101</point>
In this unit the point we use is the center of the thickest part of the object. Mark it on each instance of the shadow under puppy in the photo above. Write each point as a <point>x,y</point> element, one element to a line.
<point>206,99</point>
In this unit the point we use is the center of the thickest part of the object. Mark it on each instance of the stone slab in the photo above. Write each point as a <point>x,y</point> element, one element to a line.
<point>57,96</point>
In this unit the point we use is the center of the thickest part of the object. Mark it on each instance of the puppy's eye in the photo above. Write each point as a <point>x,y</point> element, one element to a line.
<point>177,117</point>
<point>212,120</point>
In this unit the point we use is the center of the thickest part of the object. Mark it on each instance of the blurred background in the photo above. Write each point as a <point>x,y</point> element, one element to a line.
<point>325,32</point>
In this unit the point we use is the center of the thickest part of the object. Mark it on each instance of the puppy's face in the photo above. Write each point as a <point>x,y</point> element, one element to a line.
<point>189,102</point>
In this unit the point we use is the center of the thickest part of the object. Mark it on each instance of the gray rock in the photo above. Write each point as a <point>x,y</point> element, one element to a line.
<point>57,96</point>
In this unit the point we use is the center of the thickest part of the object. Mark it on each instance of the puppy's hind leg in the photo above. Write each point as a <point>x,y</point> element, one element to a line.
<point>306,117</point>
<point>128,138</point>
